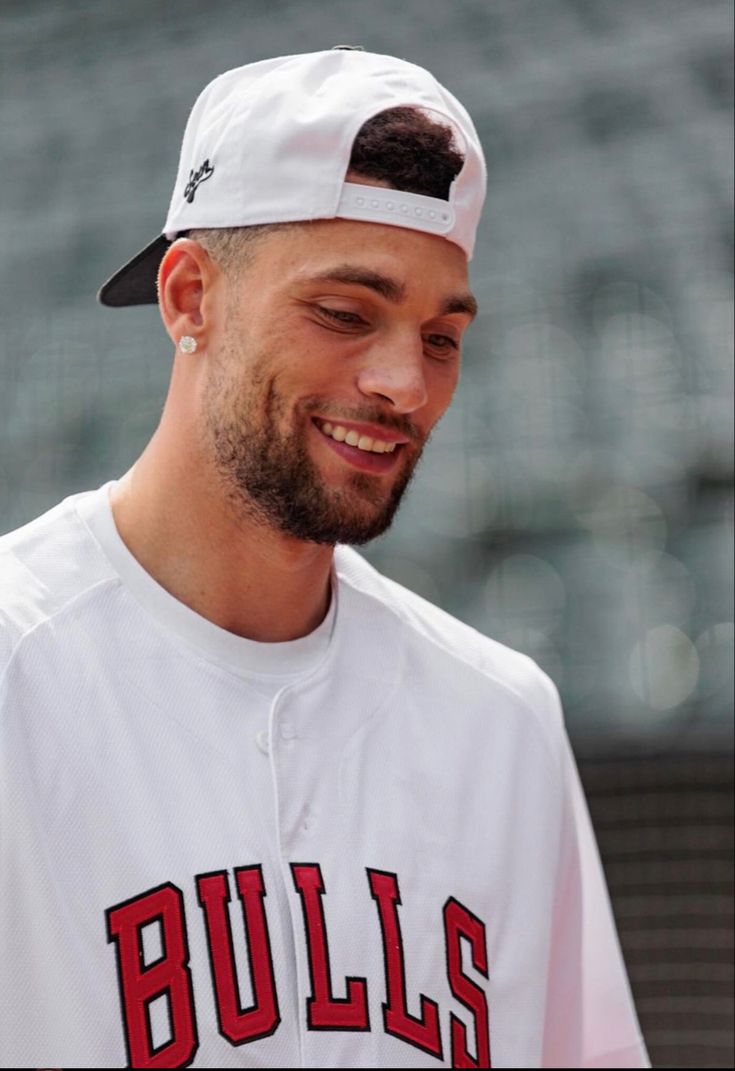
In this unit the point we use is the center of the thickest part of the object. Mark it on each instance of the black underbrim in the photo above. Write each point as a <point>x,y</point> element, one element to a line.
<point>135,282</point>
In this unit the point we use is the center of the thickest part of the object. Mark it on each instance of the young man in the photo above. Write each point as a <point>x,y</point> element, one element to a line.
<point>262,806</point>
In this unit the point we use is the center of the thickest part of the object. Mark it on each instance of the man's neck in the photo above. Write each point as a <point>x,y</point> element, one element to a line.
<point>235,572</point>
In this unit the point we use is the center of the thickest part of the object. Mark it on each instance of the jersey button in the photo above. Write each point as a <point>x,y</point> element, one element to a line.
<point>288,731</point>
<point>261,739</point>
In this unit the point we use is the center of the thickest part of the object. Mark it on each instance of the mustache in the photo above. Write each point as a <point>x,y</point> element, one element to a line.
<point>366,416</point>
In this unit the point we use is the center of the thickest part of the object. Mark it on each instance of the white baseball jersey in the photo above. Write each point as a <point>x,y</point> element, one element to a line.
<point>365,848</point>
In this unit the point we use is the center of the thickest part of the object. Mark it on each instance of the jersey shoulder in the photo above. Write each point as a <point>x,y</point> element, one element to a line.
<point>435,629</point>
<point>45,565</point>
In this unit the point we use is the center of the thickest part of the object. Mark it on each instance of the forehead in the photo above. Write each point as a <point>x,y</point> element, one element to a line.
<point>316,252</point>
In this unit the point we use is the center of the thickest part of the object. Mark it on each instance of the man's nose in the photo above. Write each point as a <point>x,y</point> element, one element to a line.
<point>396,371</point>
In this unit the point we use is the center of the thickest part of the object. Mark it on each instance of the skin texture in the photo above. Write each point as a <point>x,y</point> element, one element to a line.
<point>236,502</point>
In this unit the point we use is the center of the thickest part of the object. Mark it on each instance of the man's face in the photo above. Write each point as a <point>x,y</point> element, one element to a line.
<point>336,330</point>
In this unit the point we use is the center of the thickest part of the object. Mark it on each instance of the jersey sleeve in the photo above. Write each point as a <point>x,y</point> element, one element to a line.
<point>590,1018</point>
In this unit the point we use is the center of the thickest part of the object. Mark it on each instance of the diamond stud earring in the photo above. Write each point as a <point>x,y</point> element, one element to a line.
<point>187,344</point>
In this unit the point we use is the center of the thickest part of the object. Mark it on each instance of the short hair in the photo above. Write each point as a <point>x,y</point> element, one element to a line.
<point>401,146</point>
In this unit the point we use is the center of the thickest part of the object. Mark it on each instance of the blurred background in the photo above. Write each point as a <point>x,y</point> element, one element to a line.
<point>576,501</point>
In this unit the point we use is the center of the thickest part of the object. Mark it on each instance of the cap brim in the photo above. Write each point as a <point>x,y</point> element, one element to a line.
<point>135,282</point>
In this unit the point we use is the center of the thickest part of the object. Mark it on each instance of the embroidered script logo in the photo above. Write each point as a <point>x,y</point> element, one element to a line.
<point>195,177</point>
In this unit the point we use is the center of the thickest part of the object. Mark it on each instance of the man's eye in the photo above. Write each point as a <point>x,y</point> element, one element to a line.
<point>442,342</point>
<point>341,315</point>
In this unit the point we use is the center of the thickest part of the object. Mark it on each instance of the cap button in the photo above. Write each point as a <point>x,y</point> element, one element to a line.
<point>348,48</point>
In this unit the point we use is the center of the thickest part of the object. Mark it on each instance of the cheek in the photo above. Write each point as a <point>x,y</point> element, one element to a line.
<point>442,383</point>
<point>315,375</point>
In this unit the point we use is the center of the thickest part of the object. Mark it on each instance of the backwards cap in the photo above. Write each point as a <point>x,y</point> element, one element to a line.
<point>270,142</point>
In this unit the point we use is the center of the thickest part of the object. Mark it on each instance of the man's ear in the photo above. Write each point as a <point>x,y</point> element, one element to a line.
<point>187,278</point>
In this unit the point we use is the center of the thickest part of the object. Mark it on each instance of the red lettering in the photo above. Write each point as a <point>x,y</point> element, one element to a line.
<point>324,1010</point>
<point>169,976</point>
<point>238,1024</point>
<point>459,922</point>
<point>423,1032</point>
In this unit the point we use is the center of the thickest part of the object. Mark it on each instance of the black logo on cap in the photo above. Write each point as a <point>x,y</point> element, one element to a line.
<point>195,177</point>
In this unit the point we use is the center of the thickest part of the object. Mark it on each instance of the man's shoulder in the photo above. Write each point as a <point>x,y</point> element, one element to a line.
<point>442,637</point>
<point>44,566</point>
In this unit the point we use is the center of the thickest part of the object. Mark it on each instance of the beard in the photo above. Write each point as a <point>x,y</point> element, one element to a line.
<point>271,479</point>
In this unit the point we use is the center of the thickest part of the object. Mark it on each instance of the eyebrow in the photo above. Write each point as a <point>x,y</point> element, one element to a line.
<point>390,288</point>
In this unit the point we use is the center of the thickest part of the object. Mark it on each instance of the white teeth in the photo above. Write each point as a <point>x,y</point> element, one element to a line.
<point>352,438</point>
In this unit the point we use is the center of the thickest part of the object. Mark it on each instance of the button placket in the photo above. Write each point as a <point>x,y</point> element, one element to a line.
<point>290,750</point>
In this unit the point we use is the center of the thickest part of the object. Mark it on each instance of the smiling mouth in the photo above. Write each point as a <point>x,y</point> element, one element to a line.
<point>362,451</point>
<point>367,443</point>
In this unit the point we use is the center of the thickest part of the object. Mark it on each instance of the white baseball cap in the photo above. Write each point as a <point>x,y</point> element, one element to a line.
<point>270,142</point>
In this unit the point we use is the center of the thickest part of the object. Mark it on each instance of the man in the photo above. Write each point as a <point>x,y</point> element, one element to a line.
<point>262,806</point>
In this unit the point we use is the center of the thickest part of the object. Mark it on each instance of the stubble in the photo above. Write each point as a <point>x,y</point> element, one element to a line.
<point>267,473</point>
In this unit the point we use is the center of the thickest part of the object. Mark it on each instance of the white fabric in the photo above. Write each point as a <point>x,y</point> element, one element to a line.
<point>302,113</point>
<point>265,666</point>
<point>379,205</point>
<point>404,743</point>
